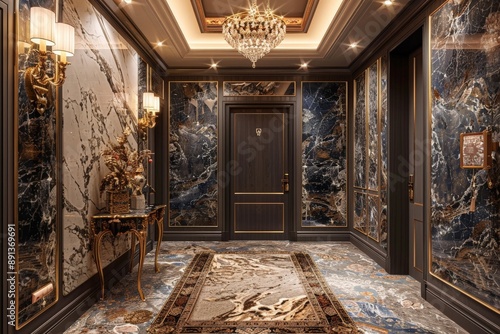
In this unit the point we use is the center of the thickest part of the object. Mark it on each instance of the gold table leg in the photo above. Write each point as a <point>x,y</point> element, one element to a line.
<point>97,258</point>
<point>141,235</point>
<point>159,222</point>
<point>132,250</point>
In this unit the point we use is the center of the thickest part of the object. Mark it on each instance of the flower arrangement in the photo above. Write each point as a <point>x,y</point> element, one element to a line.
<point>123,163</point>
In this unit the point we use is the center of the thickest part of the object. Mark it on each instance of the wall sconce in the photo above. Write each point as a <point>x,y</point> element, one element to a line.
<point>151,106</point>
<point>45,31</point>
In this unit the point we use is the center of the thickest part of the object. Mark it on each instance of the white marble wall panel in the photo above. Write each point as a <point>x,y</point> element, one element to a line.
<point>99,101</point>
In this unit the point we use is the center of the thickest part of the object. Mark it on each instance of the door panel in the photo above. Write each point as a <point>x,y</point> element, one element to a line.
<point>417,160</point>
<point>259,151</point>
<point>259,218</point>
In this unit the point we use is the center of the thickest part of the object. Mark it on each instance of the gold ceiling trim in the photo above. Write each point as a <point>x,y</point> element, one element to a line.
<point>293,24</point>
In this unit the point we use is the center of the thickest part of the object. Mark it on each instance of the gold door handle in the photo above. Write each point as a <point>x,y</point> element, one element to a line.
<point>411,192</point>
<point>285,183</point>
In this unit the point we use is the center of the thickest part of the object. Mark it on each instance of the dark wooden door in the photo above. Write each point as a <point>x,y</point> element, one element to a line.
<point>416,172</point>
<point>259,190</point>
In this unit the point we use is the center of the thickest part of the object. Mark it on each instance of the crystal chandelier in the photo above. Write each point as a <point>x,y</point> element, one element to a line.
<point>254,33</point>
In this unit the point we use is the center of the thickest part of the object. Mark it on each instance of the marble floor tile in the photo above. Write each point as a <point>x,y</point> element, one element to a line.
<point>376,301</point>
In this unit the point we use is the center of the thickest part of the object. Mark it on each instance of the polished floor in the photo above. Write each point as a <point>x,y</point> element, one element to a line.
<point>376,301</point>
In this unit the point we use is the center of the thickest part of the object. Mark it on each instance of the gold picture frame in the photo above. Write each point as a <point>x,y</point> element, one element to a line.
<point>475,150</point>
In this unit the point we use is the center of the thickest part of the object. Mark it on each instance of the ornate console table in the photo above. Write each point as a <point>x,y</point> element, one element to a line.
<point>136,223</point>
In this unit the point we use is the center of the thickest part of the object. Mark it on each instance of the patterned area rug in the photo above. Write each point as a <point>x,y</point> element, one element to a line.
<point>253,293</point>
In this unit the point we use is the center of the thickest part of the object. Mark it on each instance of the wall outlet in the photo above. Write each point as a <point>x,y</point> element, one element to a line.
<point>42,292</point>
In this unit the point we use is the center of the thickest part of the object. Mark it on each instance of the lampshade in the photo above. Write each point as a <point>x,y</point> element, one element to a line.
<point>42,24</point>
<point>156,104</point>
<point>65,40</point>
<point>148,100</point>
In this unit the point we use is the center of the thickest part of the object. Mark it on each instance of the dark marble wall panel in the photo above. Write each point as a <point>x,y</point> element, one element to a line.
<point>156,83</point>
<point>360,212</point>
<point>193,154</point>
<point>143,82</point>
<point>383,152</point>
<point>100,99</point>
<point>373,216</point>
<point>370,151</point>
<point>259,88</point>
<point>373,129</point>
<point>360,132</point>
<point>465,62</point>
<point>324,148</point>
<point>37,216</point>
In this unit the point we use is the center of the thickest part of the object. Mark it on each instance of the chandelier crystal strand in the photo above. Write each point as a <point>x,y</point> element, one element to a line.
<point>254,34</point>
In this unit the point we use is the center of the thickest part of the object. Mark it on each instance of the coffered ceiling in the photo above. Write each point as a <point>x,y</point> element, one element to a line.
<point>321,33</point>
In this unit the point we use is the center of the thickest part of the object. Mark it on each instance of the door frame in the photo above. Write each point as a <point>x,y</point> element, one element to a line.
<point>416,209</point>
<point>224,176</point>
<point>397,260</point>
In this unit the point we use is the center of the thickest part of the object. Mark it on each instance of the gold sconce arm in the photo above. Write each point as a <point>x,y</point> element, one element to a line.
<point>151,105</point>
<point>37,82</point>
<point>45,31</point>
<point>147,121</point>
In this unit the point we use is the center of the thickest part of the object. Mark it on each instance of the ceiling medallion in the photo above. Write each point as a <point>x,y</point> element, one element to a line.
<point>254,33</point>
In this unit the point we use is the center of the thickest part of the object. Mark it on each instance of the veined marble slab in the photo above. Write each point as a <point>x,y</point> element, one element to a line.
<point>324,154</point>
<point>37,179</point>
<point>465,62</point>
<point>99,100</point>
<point>360,143</point>
<point>193,154</point>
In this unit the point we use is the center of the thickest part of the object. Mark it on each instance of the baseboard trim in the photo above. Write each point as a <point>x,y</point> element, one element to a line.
<point>192,236</point>
<point>84,296</point>
<point>469,319</point>
<point>323,236</point>
<point>375,254</point>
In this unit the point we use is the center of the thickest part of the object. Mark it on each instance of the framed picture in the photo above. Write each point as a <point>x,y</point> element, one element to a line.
<point>475,150</point>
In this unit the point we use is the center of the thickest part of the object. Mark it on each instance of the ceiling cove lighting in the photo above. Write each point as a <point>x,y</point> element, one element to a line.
<point>254,34</point>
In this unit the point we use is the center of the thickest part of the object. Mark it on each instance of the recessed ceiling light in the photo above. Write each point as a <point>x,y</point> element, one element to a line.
<point>127,1</point>
<point>303,65</point>
<point>353,45</point>
<point>214,65</point>
<point>388,2</point>
<point>159,44</point>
